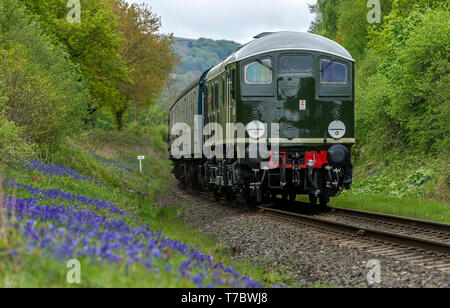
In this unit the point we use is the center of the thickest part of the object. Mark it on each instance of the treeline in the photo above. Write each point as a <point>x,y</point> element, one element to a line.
<point>58,74</point>
<point>199,55</point>
<point>402,73</point>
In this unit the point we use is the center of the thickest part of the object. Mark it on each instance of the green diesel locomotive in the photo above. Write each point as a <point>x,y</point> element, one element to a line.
<point>274,118</point>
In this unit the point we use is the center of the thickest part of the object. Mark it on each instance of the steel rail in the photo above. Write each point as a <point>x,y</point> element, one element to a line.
<point>397,219</point>
<point>401,239</point>
<point>365,232</point>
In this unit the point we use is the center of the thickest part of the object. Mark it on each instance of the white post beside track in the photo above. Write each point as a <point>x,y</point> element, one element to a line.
<point>141,158</point>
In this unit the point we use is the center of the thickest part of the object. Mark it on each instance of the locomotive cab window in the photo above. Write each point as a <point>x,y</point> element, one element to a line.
<point>259,72</point>
<point>335,78</point>
<point>296,63</point>
<point>332,72</point>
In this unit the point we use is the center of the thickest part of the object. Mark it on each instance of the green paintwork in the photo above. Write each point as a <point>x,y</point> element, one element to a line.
<point>324,103</point>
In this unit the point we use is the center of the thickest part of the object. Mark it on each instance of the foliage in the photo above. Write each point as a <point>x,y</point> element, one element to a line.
<point>45,93</point>
<point>402,93</point>
<point>152,124</point>
<point>13,147</point>
<point>418,75</point>
<point>327,14</point>
<point>345,21</point>
<point>385,184</point>
<point>148,56</point>
<point>121,54</point>
<point>406,102</point>
<point>94,44</point>
<point>199,55</point>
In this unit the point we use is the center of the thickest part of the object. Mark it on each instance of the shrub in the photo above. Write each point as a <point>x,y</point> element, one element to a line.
<point>416,65</point>
<point>47,96</point>
<point>13,147</point>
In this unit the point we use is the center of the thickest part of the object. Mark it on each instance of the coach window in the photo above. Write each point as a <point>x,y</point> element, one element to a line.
<point>217,94</point>
<point>213,97</point>
<point>258,72</point>
<point>233,83</point>
<point>332,72</point>
<point>223,91</point>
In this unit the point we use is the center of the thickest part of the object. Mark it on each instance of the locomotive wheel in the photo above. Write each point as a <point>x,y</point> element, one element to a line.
<point>230,195</point>
<point>292,197</point>
<point>324,199</point>
<point>216,193</point>
<point>312,199</point>
<point>244,197</point>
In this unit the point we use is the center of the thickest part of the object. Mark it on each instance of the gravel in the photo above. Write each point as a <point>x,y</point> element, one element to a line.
<point>303,255</point>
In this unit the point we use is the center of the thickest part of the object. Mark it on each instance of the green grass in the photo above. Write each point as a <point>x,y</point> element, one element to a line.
<point>406,207</point>
<point>31,270</point>
<point>414,208</point>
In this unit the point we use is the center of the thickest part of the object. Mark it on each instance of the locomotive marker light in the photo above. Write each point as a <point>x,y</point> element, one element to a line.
<point>141,158</point>
<point>337,129</point>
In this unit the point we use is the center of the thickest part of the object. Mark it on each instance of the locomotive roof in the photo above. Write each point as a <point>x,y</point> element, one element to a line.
<point>286,40</point>
<point>266,42</point>
<point>291,40</point>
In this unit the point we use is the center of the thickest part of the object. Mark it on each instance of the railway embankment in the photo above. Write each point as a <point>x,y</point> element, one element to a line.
<point>87,217</point>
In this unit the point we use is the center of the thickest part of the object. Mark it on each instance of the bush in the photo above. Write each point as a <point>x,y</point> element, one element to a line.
<point>46,94</point>
<point>415,62</point>
<point>13,147</point>
<point>404,106</point>
<point>420,83</point>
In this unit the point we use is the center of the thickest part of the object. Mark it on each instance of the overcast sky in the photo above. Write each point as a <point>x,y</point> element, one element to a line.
<point>237,20</point>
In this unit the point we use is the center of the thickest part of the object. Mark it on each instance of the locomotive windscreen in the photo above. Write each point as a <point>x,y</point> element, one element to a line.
<point>296,63</point>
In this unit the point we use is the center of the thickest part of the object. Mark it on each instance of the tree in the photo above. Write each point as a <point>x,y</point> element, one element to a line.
<point>44,93</point>
<point>148,55</point>
<point>94,44</point>
<point>327,15</point>
<point>405,103</point>
<point>345,21</point>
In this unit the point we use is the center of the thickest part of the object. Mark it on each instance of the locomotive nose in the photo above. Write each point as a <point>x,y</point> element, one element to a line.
<point>338,155</point>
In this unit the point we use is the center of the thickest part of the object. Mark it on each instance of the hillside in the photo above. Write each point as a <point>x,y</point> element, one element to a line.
<point>196,56</point>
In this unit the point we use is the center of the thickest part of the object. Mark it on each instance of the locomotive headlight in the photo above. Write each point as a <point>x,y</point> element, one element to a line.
<point>337,129</point>
<point>256,129</point>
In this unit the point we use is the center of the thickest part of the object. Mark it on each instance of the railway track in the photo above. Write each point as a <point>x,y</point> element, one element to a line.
<point>404,239</point>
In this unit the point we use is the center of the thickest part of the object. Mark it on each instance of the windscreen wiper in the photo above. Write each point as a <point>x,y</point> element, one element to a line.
<point>332,60</point>
<point>264,64</point>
